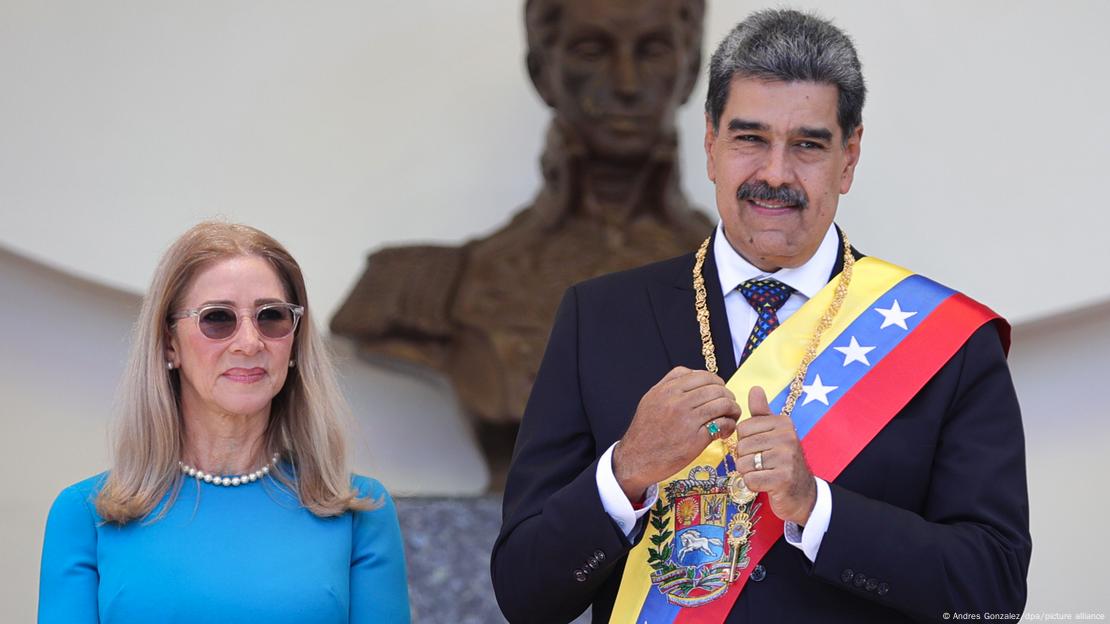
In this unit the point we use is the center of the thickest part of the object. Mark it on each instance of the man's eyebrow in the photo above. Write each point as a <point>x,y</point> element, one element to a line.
<point>735,125</point>
<point>823,134</point>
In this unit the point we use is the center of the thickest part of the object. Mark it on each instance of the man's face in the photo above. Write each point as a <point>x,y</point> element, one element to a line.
<point>615,73</point>
<point>780,165</point>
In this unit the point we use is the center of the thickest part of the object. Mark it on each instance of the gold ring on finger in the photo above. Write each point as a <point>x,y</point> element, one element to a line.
<point>759,460</point>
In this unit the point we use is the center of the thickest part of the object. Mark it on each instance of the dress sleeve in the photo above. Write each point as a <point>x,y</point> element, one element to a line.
<point>379,589</point>
<point>68,578</point>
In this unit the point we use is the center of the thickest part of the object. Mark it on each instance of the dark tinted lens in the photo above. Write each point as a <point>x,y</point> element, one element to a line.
<point>275,322</point>
<point>218,323</point>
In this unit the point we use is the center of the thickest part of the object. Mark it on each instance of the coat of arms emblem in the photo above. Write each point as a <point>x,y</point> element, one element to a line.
<point>703,527</point>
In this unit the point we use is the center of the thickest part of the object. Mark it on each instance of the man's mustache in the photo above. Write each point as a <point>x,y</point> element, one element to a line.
<point>765,192</point>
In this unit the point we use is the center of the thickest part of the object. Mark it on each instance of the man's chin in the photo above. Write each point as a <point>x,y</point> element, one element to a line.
<point>767,250</point>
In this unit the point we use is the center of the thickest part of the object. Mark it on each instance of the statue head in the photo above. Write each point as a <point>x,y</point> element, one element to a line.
<point>615,71</point>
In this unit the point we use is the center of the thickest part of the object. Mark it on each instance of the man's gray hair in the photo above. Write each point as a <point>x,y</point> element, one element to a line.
<point>786,45</point>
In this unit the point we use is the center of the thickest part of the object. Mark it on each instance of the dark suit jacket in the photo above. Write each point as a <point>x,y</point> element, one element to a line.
<point>934,510</point>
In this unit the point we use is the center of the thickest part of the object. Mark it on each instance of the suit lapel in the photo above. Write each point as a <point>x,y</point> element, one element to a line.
<point>838,266</point>
<point>672,301</point>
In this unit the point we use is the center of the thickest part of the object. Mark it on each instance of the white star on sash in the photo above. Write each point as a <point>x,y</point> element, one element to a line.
<point>894,316</point>
<point>855,353</point>
<point>817,391</point>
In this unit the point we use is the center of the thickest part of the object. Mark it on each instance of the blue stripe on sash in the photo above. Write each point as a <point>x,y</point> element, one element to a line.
<point>657,609</point>
<point>913,294</point>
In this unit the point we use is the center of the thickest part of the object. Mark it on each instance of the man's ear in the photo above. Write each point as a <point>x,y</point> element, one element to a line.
<point>535,64</point>
<point>710,138</point>
<point>852,150</point>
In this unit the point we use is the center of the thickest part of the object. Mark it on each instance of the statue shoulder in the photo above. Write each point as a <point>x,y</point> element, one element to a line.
<point>404,290</point>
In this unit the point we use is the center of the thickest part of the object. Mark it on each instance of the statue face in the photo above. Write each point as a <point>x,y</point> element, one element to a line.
<point>616,72</point>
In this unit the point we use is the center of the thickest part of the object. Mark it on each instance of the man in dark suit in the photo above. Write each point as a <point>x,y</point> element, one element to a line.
<point>929,518</point>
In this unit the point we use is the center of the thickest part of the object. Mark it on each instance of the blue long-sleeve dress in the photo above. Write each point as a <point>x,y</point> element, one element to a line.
<point>250,553</point>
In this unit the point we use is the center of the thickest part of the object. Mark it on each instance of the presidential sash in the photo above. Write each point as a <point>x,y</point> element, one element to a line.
<point>894,331</point>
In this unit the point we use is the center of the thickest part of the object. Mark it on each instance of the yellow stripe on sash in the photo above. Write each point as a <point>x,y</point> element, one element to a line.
<point>772,365</point>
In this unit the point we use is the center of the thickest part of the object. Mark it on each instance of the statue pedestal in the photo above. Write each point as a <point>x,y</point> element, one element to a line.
<point>447,547</point>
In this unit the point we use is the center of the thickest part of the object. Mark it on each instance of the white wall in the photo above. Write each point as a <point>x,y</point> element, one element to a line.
<point>1059,368</point>
<point>343,126</point>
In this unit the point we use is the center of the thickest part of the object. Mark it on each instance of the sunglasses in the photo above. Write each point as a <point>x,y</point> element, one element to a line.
<point>220,322</point>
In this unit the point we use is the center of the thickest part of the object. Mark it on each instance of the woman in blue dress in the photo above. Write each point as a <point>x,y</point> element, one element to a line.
<point>229,498</point>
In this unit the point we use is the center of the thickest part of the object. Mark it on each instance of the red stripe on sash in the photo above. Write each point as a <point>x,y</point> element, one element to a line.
<point>859,415</point>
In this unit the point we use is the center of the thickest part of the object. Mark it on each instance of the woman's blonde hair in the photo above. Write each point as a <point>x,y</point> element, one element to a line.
<point>307,416</point>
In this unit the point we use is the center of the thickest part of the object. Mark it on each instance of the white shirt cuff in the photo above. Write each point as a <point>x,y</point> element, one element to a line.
<point>808,540</point>
<point>614,501</point>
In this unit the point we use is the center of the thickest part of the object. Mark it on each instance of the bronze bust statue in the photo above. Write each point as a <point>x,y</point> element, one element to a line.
<point>614,73</point>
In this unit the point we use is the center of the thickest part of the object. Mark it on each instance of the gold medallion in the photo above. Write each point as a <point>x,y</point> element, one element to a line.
<point>738,491</point>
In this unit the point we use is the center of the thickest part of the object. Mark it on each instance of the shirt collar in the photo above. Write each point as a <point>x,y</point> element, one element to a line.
<point>807,279</point>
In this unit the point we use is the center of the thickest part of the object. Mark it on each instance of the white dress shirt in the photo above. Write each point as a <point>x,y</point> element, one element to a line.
<point>733,270</point>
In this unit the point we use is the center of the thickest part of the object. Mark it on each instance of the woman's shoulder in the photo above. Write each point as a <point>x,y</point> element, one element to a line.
<point>376,525</point>
<point>82,493</point>
<point>370,488</point>
<point>377,506</point>
<point>75,503</point>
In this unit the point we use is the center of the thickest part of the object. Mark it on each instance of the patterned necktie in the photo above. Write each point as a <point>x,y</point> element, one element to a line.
<point>766,296</point>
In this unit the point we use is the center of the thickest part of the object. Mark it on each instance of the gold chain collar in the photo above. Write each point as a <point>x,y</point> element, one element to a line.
<point>707,351</point>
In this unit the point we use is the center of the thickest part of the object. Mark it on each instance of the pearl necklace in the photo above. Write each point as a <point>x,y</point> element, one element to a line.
<point>207,477</point>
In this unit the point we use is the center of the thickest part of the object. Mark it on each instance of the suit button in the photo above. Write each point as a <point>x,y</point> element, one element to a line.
<point>883,589</point>
<point>600,555</point>
<point>872,584</point>
<point>592,562</point>
<point>847,575</point>
<point>860,579</point>
<point>580,576</point>
<point>758,573</point>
